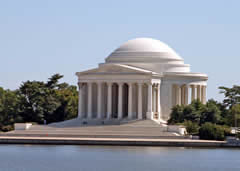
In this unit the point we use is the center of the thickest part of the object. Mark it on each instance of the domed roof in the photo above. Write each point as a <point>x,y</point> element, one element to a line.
<point>141,49</point>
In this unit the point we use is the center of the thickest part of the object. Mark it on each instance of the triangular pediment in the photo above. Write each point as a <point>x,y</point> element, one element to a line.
<point>115,69</point>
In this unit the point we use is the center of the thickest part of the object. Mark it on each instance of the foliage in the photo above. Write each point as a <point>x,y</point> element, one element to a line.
<point>36,101</point>
<point>176,115</point>
<point>232,95</point>
<point>211,113</point>
<point>234,115</point>
<point>190,112</point>
<point>209,131</point>
<point>191,127</point>
<point>9,107</point>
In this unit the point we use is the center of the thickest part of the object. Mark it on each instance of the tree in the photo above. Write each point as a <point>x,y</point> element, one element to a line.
<point>211,113</point>
<point>176,115</point>
<point>67,96</point>
<point>193,111</point>
<point>32,95</point>
<point>190,114</point>
<point>234,115</point>
<point>209,131</point>
<point>232,95</point>
<point>36,101</point>
<point>191,127</point>
<point>9,108</point>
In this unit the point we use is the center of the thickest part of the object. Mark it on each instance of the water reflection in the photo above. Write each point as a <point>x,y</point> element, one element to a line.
<point>115,158</point>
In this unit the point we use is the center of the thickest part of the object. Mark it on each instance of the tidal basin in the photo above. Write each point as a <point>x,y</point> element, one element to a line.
<point>117,158</point>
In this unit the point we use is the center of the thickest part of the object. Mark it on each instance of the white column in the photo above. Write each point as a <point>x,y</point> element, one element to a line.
<point>154,99</point>
<point>130,114</point>
<point>89,100</point>
<point>186,87</point>
<point>193,92</point>
<point>199,92</point>
<point>140,115</point>
<point>159,101</point>
<point>204,94</point>
<point>80,100</point>
<point>99,100</point>
<point>120,106</point>
<point>182,94</point>
<point>109,101</point>
<point>178,95</point>
<point>149,112</point>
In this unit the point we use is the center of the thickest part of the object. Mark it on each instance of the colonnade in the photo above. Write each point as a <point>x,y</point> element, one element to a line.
<point>182,93</point>
<point>152,106</point>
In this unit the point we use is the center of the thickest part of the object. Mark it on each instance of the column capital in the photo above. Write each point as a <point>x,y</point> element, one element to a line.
<point>99,82</point>
<point>80,85</point>
<point>193,85</point>
<point>89,83</point>
<point>149,84</point>
<point>130,83</point>
<point>120,83</point>
<point>177,85</point>
<point>109,83</point>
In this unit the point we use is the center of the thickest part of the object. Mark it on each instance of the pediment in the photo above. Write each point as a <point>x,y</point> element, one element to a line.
<point>115,69</point>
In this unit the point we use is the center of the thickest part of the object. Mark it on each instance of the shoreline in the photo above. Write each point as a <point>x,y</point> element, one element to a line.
<point>116,142</point>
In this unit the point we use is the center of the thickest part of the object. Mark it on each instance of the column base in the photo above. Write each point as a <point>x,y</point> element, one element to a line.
<point>150,115</point>
<point>140,117</point>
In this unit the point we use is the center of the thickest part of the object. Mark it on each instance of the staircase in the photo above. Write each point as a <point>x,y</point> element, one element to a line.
<point>139,129</point>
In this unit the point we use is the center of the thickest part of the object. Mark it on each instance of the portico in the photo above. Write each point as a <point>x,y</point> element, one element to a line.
<point>143,79</point>
<point>124,100</point>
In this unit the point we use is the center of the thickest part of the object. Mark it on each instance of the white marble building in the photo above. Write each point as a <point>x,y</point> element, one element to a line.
<point>142,79</point>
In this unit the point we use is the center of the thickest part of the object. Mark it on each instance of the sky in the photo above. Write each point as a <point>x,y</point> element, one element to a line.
<point>44,37</point>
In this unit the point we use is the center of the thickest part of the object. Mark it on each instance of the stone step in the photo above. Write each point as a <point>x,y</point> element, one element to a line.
<point>164,136</point>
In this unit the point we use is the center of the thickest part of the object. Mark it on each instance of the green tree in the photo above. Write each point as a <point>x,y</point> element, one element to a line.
<point>209,131</point>
<point>211,113</point>
<point>51,101</point>
<point>193,111</point>
<point>234,116</point>
<point>9,108</point>
<point>32,95</point>
<point>190,114</point>
<point>191,127</point>
<point>232,95</point>
<point>176,115</point>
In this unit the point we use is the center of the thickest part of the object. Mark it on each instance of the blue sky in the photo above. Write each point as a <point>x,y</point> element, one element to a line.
<point>40,38</point>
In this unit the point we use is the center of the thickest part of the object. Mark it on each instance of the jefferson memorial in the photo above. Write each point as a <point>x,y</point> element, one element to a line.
<point>142,79</point>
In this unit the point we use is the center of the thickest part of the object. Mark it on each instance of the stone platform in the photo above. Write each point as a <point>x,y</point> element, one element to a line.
<point>136,133</point>
<point>143,129</point>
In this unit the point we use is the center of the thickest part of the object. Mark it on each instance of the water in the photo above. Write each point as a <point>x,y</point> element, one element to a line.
<point>110,158</point>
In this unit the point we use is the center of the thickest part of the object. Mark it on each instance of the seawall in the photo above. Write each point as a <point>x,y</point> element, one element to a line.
<point>115,141</point>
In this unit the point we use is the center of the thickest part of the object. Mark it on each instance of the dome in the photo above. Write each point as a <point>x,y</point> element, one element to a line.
<point>143,50</point>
